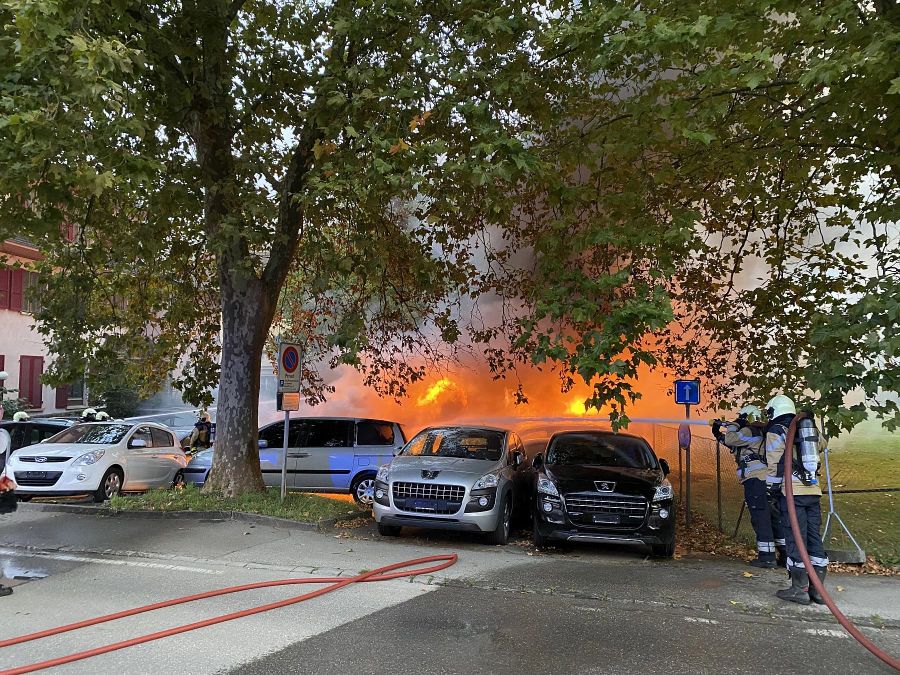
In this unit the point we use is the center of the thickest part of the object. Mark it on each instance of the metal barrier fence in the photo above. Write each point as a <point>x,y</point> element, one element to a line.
<point>713,490</point>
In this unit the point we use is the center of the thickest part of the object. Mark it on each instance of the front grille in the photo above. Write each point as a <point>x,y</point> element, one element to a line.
<point>44,459</point>
<point>428,497</point>
<point>37,478</point>
<point>606,510</point>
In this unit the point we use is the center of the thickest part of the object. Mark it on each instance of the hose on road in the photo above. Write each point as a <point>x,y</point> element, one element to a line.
<point>386,573</point>
<point>804,555</point>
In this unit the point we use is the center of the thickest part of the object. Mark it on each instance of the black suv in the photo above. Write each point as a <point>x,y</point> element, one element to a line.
<point>604,487</point>
<point>33,431</point>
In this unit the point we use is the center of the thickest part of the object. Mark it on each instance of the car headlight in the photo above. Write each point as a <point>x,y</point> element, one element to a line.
<point>89,458</point>
<point>547,487</point>
<point>488,480</point>
<point>384,472</point>
<point>663,491</point>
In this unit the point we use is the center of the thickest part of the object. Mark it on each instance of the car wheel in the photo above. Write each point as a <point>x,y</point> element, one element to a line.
<point>666,550</point>
<point>500,535</point>
<point>363,489</point>
<point>388,530</point>
<point>178,481</point>
<point>110,486</point>
<point>539,540</point>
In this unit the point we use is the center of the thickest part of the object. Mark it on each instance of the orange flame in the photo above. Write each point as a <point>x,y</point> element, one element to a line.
<point>436,390</point>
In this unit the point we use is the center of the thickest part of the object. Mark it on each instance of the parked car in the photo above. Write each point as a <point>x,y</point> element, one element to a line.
<point>325,454</point>
<point>460,478</point>
<point>34,430</point>
<point>99,458</point>
<point>181,422</point>
<point>602,486</point>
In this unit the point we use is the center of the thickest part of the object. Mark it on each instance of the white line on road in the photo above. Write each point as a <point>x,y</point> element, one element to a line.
<point>107,561</point>
<point>698,619</point>
<point>826,632</point>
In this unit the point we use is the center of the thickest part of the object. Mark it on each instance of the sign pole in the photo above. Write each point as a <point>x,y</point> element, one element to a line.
<point>290,366</point>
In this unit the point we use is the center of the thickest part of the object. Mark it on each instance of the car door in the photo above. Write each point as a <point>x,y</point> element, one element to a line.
<point>164,451</point>
<point>270,456</point>
<point>519,474</point>
<point>376,442</point>
<point>139,462</point>
<point>325,457</point>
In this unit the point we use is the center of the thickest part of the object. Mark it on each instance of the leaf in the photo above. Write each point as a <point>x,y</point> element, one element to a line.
<point>749,575</point>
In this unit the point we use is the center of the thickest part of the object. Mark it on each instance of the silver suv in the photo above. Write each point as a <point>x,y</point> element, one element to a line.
<point>456,478</point>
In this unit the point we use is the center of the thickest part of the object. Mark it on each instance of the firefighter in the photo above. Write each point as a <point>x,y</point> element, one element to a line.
<point>88,415</point>
<point>7,487</point>
<point>201,436</point>
<point>21,416</point>
<point>803,462</point>
<point>744,437</point>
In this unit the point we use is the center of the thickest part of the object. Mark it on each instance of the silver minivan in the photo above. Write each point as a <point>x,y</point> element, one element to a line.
<point>459,478</point>
<point>325,454</point>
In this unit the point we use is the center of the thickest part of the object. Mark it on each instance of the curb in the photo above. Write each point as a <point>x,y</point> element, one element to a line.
<point>242,516</point>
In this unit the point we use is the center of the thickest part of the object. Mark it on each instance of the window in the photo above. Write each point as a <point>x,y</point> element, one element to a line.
<point>142,434</point>
<point>327,434</point>
<point>374,433</point>
<point>32,292</point>
<point>12,282</point>
<point>458,442</point>
<point>273,435</point>
<point>515,445</point>
<point>161,439</point>
<point>30,370</point>
<point>95,434</point>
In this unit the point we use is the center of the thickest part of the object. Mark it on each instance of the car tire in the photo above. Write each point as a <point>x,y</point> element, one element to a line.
<point>110,485</point>
<point>500,535</point>
<point>666,550</point>
<point>363,489</point>
<point>388,530</point>
<point>539,540</point>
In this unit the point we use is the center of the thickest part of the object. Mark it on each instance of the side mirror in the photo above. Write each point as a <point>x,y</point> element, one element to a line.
<point>518,459</point>
<point>137,443</point>
<point>665,467</point>
<point>538,461</point>
<point>262,443</point>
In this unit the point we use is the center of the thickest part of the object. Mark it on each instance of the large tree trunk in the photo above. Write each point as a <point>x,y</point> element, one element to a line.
<point>246,316</point>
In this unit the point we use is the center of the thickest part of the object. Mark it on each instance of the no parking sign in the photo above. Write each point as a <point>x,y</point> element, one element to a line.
<point>289,368</point>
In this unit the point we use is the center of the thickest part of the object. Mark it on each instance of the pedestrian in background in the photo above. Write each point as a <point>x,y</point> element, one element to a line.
<point>7,486</point>
<point>744,437</point>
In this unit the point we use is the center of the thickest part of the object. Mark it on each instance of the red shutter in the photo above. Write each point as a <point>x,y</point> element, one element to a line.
<point>62,397</point>
<point>16,287</point>
<point>30,370</point>
<point>37,390</point>
<point>4,288</point>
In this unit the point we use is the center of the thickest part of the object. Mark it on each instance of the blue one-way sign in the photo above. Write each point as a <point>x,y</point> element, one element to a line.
<point>687,392</point>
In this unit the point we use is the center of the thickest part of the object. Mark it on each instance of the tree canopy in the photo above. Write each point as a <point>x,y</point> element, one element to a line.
<point>710,187</point>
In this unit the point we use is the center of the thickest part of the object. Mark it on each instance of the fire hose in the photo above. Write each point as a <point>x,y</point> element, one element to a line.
<point>804,556</point>
<point>386,573</point>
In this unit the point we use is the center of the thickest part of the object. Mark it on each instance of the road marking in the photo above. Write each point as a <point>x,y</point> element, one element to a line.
<point>697,619</point>
<point>107,561</point>
<point>826,632</point>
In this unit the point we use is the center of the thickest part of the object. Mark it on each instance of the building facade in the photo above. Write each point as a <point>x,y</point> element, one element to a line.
<point>23,355</point>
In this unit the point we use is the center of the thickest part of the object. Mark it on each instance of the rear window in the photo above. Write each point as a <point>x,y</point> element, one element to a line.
<point>453,442</point>
<point>161,439</point>
<point>374,433</point>
<point>601,450</point>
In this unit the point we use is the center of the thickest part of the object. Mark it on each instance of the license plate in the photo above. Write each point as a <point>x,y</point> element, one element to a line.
<point>428,504</point>
<point>33,474</point>
<point>606,519</point>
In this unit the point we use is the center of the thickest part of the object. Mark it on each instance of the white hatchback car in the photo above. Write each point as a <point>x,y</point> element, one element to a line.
<point>99,458</point>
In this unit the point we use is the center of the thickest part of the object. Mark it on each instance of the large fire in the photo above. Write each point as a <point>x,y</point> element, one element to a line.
<point>440,388</point>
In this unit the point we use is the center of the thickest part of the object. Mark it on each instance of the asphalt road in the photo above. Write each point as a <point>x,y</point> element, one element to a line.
<point>499,610</point>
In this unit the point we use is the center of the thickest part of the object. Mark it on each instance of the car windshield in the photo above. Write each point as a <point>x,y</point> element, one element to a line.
<point>455,442</point>
<point>94,434</point>
<point>601,450</point>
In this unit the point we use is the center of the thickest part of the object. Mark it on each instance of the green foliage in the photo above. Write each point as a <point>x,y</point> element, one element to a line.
<point>121,402</point>
<point>593,187</point>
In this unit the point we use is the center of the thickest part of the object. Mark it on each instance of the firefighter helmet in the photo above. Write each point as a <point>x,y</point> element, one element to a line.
<point>780,405</point>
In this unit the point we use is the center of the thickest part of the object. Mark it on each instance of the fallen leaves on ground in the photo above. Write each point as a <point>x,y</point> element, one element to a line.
<point>871,566</point>
<point>704,537</point>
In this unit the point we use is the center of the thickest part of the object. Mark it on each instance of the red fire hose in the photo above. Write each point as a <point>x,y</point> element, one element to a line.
<point>804,555</point>
<point>386,573</point>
